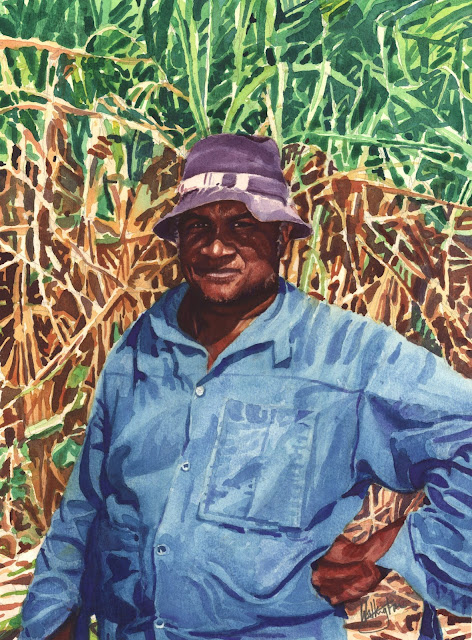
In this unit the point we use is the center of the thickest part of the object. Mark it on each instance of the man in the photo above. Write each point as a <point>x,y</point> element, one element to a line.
<point>235,431</point>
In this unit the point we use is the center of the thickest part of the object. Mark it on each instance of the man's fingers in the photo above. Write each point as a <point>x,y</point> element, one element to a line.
<point>66,631</point>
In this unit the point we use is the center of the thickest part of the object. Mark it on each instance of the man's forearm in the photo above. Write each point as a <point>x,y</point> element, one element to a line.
<point>348,570</point>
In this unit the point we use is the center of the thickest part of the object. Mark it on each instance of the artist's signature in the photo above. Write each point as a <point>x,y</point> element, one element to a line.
<point>372,608</point>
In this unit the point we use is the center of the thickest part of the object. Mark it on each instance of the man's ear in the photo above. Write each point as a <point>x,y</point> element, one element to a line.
<point>285,235</point>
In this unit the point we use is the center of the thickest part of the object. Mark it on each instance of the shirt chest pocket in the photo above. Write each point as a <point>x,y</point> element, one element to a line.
<point>257,476</point>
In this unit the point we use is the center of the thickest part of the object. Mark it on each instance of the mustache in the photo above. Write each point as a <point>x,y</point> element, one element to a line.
<point>209,266</point>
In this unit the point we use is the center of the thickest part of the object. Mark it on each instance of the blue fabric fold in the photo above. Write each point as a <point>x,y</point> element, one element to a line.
<point>430,628</point>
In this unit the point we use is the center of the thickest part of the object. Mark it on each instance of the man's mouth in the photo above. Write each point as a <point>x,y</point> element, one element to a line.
<point>218,275</point>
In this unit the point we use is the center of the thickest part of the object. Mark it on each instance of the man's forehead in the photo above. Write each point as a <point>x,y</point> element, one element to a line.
<point>222,208</point>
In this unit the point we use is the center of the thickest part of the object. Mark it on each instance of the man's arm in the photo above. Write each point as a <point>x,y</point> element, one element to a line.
<point>54,596</point>
<point>415,431</point>
<point>348,570</point>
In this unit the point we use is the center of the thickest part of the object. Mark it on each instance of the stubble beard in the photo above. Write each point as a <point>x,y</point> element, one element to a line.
<point>267,286</point>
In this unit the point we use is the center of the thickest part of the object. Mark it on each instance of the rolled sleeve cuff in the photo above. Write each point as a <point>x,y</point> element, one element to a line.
<point>402,558</point>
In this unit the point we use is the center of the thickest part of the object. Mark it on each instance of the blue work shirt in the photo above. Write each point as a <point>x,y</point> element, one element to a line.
<point>201,498</point>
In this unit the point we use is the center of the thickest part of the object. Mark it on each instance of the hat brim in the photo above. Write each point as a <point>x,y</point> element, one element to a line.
<point>263,208</point>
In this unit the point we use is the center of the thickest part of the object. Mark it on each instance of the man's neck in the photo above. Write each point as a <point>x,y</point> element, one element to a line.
<point>215,325</point>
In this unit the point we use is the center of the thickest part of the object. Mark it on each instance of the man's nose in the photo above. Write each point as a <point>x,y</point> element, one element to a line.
<point>218,247</point>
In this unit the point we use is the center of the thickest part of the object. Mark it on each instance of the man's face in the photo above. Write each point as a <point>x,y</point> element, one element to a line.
<point>226,254</point>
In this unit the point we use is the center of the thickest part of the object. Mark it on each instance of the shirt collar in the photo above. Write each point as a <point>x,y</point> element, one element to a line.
<point>268,327</point>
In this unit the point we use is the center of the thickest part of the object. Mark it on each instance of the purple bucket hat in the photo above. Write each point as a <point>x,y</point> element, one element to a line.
<point>235,167</point>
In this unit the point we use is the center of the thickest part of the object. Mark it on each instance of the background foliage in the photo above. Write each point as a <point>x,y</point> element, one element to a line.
<point>370,103</point>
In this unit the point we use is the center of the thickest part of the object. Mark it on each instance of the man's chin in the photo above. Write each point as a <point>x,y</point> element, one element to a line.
<point>221,295</point>
<point>226,294</point>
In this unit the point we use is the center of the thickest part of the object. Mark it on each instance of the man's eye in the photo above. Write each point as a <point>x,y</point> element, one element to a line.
<point>198,224</point>
<point>243,224</point>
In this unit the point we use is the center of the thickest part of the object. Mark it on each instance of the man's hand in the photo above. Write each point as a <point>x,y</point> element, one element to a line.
<point>66,631</point>
<point>348,570</point>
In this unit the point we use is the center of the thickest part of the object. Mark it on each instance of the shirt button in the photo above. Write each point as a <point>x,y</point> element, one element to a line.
<point>199,391</point>
<point>159,623</point>
<point>162,549</point>
<point>185,466</point>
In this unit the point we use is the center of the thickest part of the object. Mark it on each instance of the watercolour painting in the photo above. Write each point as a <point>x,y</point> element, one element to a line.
<point>370,104</point>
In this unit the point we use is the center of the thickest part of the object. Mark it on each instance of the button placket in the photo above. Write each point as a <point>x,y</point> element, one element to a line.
<point>181,482</point>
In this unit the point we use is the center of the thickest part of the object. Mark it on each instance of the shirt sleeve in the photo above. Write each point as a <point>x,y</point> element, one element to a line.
<point>415,432</point>
<point>55,592</point>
